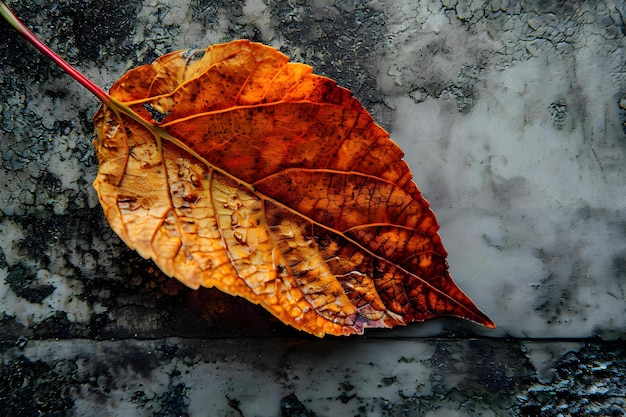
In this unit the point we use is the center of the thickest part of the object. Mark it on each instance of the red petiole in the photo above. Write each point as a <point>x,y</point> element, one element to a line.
<point>110,102</point>
<point>14,21</point>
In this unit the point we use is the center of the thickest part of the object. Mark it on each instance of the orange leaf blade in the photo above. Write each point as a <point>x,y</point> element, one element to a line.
<point>258,177</point>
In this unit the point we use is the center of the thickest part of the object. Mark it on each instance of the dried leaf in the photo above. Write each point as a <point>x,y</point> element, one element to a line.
<point>258,177</point>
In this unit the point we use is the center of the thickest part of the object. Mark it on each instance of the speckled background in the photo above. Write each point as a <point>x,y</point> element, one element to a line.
<point>512,117</point>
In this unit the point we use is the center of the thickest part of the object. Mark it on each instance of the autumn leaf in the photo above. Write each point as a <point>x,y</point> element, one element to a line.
<point>233,168</point>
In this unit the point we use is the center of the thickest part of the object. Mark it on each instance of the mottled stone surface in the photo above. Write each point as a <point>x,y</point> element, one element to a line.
<point>512,118</point>
<point>356,377</point>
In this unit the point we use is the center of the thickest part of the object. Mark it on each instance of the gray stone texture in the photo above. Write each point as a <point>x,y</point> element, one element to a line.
<point>512,118</point>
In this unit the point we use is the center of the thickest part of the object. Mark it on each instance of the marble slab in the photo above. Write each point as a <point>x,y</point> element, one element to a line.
<point>512,117</point>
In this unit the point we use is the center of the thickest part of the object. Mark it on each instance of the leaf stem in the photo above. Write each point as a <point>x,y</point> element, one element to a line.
<point>17,24</point>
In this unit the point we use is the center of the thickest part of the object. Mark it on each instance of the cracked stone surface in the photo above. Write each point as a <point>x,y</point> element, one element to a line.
<point>512,117</point>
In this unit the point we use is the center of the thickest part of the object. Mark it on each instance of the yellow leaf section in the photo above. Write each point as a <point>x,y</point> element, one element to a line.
<point>207,229</point>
